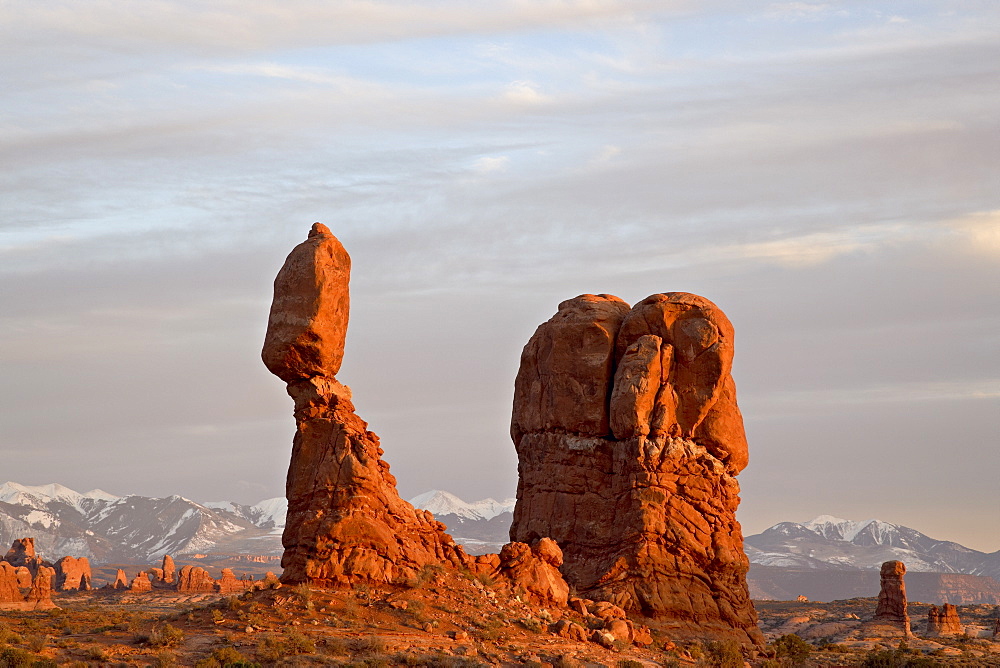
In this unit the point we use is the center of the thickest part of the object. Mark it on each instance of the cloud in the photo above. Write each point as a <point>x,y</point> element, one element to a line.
<point>980,232</point>
<point>488,164</point>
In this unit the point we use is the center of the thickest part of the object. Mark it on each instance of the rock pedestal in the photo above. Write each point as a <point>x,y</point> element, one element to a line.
<point>629,440</point>
<point>346,522</point>
<point>943,621</point>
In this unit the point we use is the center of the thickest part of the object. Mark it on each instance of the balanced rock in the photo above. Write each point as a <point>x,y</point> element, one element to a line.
<point>943,621</point>
<point>629,440</point>
<point>346,522</point>
<point>73,574</point>
<point>195,579</point>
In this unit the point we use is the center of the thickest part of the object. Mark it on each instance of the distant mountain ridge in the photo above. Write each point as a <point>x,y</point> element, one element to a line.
<point>134,529</point>
<point>832,543</point>
<point>480,526</point>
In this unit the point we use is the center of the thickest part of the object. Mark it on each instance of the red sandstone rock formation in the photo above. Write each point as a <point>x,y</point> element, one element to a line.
<point>169,569</point>
<point>121,581</point>
<point>10,590</point>
<point>40,595</point>
<point>228,584</point>
<point>195,579</point>
<point>23,577</point>
<point>944,621</point>
<point>73,574</point>
<point>891,607</point>
<point>141,583</point>
<point>535,569</point>
<point>629,440</point>
<point>22,553</point>
<point>346,521</point>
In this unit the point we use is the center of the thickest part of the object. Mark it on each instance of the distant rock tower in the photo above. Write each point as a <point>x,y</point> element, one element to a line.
<point>629,441</point>
<point>891,609</point>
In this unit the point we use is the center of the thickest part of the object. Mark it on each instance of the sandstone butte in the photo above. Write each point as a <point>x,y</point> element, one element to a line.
<point>628,436</point>
<point>629,440</point>
<point>944,621</point>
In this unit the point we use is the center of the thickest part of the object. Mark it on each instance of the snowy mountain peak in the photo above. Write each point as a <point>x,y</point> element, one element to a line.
<point>39,496</point>
<point>848,530</point>
<point>440,502</point>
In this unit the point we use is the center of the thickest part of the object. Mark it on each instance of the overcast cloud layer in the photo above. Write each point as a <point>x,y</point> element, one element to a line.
<point>826,172</point>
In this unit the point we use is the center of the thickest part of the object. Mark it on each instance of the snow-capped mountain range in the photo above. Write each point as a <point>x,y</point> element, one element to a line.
<point>480,526</point>
<point>134,529</point>
<point>833,543</point>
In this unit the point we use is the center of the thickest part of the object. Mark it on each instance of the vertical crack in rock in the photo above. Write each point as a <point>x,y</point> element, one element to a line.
<point>346,521</point>
<point>629,440</point>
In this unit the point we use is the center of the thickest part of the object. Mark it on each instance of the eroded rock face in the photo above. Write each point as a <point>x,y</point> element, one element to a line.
<point>346,522</point>
<point>10,590</point>
<point>535,569</point>
<point>944,621</point>
<point>229,584</point>
<point>629,439</point>
<point>121,581</point>
<point>195,579</point>
<point>73,574</point>
<point>891,609</point>
<point>141,583</point>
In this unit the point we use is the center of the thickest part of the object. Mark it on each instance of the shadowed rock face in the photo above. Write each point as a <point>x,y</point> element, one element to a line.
<point>346,521</point>
<point>629,440</point>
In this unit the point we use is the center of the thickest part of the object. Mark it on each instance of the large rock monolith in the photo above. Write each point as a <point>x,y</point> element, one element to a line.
<point>346,522</point>
<point>629,440</point>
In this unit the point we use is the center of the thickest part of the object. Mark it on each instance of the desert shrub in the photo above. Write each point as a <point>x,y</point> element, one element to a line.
<point>531,624</point>
<point>629,663</point>
<point>37,642</point>
<point>97,654</point>
<point>793,648</point>
<point>164,660</point>
<point>8,636</point>
<point>11,657</point>
<point>425,575</point>
<point>893,658</point>
<point>165,636</point>
<point>724,654</point>
<point>369,645</point>
<point>226,657</point>
<point>296,642</point>
<point>335,647</point>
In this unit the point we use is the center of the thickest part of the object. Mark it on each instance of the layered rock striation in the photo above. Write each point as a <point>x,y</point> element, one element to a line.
<point>346,522</point>
<point>629,440</point>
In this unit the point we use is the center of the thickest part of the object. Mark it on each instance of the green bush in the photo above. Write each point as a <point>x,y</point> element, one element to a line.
<point>894,658</point>
<point>11,657</point>
<point>724,654</point>
<point>793,648</point>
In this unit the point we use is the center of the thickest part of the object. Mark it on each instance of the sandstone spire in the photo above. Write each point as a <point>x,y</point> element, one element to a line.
<point>629,440</point>
<point>346,521</point>
<point>891,609</point>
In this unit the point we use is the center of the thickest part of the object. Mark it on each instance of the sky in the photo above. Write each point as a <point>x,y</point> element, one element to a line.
<point>825,172</point>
